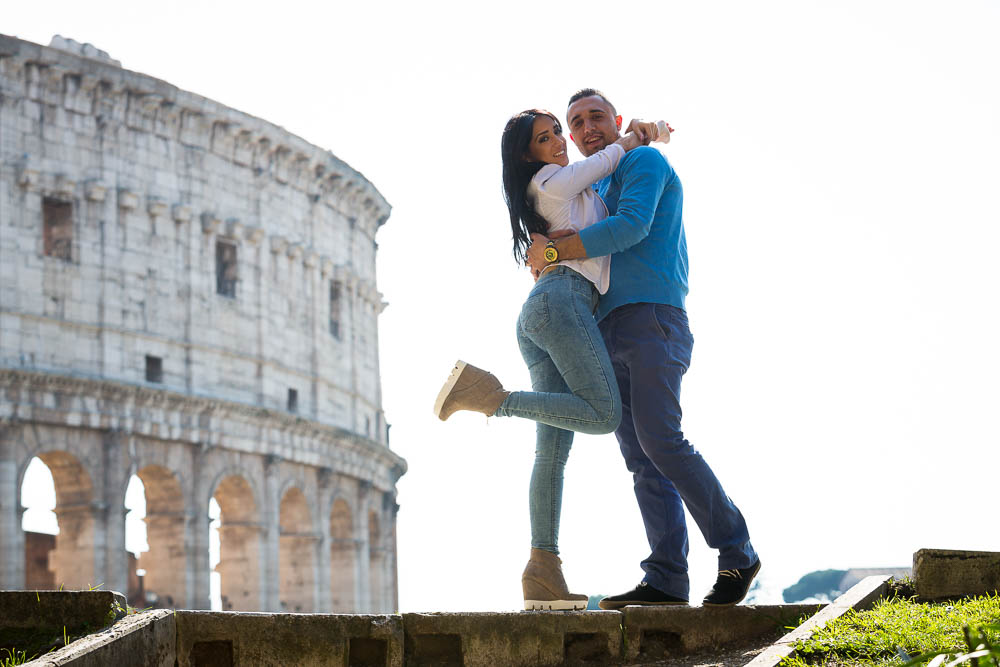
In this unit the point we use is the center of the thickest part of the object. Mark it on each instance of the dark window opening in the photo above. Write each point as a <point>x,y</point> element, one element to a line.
<point>335,309</point>
<point>225,268</point>
<point>293,400</point>
<point>57,219</point>
<point>154,369</point>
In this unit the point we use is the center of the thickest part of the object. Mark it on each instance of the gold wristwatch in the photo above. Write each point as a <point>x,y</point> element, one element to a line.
<point>551,255</point>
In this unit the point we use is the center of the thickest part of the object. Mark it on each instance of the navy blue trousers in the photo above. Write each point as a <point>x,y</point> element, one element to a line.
<point>650,348</point>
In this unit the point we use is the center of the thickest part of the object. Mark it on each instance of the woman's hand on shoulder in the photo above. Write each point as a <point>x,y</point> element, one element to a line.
<point>630,141</point>
<point>645,129</point>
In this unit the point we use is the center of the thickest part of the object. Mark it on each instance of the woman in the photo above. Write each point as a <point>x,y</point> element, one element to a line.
<point>571,374</point>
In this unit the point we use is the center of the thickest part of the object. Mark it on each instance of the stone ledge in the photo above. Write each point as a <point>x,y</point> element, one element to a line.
<point>942,574</point>
<point>140,640</point>
<point>226,639</point>
<point>58,609</point>
<point>248,638</point>
<point>654,633</point>
<point>513,638</point>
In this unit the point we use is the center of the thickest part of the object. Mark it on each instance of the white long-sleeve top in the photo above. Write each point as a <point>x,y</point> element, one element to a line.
<point>565,198</point>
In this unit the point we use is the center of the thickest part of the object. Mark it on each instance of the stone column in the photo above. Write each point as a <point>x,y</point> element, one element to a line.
<point>165,562</point>
<point>11,535</point>
<point>78,558</point>
<point>270,516</point>
<point>110,559</point>
<point>324,592</point>
<point>198,566</point>
<point>362,559</point>
<point>239,566</point>
<point>392,569</point>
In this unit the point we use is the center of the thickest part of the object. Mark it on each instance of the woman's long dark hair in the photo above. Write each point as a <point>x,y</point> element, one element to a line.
<point>518,170</point>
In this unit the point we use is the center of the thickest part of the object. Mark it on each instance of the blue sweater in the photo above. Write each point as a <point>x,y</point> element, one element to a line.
<point>644,233</point>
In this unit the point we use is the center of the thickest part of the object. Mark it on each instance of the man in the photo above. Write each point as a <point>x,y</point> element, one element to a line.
<point>644,326</point>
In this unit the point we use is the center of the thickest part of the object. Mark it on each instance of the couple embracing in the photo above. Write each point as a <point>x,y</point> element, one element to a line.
<point>605,337</point>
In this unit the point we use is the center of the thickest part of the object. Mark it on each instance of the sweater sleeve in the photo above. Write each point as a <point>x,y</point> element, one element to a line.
<point>643,175</point>
<point>573,179</point>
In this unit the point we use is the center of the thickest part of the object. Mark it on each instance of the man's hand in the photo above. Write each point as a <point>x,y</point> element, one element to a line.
<point>645,131</point>
<point>536,251</point>
<point>536,254</point>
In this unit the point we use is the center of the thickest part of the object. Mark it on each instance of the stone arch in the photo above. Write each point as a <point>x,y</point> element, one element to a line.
<point>239,542</point>
<point>166,561</point>
<point>72,560</point>
<point>343,549</point>
<point>376,562</point>
<point>296,553</point>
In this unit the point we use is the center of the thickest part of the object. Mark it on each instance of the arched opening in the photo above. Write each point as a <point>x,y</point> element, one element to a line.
<point>72,558</point>
<point>376,559</point>
<point>342,550</point>
<point>296,543</point>
<point>38,498</point>
<point>165,562</point>
<point>239,545</point>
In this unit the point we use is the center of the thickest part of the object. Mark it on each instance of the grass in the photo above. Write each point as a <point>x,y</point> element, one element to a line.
<point>12,658</point>
<point>901,630</point>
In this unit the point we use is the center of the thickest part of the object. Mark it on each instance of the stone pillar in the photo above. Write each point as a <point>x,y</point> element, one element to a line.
<point>11,535</point>
<point>269,511</point>
<point>392,568</point>
<point>239,566</point>
<point>298,573</point>
<point>111,561</point>
<point>165,562</point>
<point>73,559</point>
<point>198,564</point>
<point>321,573</point>
<point>362,559</point>
<point>324,592</point>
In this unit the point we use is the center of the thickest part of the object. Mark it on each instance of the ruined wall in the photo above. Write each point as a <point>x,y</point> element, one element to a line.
<point>187,293</point>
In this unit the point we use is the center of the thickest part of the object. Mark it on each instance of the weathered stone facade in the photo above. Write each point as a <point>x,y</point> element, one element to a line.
<point>187,293</point>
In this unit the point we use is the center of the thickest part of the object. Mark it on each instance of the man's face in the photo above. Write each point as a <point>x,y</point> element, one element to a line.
<point>592,124</point>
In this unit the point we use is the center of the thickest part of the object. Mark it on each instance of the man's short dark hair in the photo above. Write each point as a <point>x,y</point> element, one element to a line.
<point>590,92</point>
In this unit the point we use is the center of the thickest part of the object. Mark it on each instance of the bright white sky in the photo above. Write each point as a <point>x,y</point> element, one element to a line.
<point>840,170</point>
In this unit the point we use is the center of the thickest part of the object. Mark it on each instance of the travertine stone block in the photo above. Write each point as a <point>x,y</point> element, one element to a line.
<point>944,573</point>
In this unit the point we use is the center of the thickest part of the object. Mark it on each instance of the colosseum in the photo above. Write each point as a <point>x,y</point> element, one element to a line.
<point>187,295</point>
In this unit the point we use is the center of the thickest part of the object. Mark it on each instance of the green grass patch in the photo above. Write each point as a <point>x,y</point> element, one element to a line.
<point>897,630</point>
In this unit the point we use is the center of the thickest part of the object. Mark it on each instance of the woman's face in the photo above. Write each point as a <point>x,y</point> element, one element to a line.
<point>547,142</point>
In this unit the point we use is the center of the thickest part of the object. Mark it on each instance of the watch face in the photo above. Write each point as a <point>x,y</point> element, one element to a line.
<point>551,254</point>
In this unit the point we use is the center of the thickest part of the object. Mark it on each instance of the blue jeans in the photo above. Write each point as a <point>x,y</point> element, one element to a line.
<point>574,387</point>
<point>650,348</point>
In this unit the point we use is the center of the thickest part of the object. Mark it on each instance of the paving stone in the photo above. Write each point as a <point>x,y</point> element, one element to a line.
<point>513,638</point>
<point>946,574</point>
<point>70,609</point>
<point>654,633</point>
<point>242,639</point>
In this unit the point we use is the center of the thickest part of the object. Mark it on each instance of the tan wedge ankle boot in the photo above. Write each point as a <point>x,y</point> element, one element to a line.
<point>469,388</point>
<point>544,586</point>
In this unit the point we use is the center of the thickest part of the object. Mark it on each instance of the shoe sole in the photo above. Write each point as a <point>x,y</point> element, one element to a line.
<point>747,592</point>
<point>555,605</point>
<point>449,384</point>
<point>612,606</point>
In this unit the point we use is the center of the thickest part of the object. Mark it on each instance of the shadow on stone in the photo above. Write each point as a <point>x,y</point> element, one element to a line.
<point>366,652</point>
<point>586,647</point>
<point>657,644</point>
<point>438,650</point>
<point>212,654</point>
